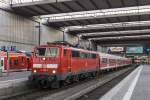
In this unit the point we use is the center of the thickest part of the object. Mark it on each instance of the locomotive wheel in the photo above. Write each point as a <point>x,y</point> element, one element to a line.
<point>66,81</point>
<point>43,84</point>
<point>55,84</point>
<point>94,74</point>
<point>76,78</point>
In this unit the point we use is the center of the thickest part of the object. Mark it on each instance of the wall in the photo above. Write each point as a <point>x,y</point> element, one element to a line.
<point>24,33</point>
<point>50,34</point>
<point>18,31</point>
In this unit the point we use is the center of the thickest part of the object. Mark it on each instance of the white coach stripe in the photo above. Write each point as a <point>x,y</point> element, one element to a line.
<point>128,94</point>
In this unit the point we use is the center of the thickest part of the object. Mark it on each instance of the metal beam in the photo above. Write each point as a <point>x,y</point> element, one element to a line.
<point>21,3</point>
<point>70,8</point>
<point>122,43</point>
<point>83,9</point>
<point>117,32</point>
<point>43,8</point>
<point>121,38</point>
<point>104,13</point>
<point>109,25</point>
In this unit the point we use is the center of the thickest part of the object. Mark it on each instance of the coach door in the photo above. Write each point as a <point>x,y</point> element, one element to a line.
<point>1,65</point>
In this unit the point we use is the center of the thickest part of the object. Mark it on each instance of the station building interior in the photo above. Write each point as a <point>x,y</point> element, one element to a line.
<point>115,27</point>
<point>102,25</point>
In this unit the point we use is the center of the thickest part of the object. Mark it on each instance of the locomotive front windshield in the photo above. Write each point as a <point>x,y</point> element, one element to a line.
<point>50,52</point>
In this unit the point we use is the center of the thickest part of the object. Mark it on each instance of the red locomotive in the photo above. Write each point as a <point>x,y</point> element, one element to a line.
<point>53,64</point>
<point>17,61</point>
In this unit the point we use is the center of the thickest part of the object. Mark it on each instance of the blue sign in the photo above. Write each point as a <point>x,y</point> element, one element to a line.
<point>147,50</point>
<point>134,49</point>
<point>8,48</point>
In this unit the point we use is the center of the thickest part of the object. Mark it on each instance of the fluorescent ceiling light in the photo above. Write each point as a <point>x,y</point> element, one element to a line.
<point>109,25</point>
<point>116,32</point>
<point>121,37</point>
<point>104,13</point>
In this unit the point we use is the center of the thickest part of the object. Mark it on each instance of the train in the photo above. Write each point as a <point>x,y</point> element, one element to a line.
<point>57,64</point>
<point>14,61</point>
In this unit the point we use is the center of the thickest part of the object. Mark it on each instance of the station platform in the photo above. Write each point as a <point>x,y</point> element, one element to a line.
<point>14,83</point>
<point>136,86</point>
<point>13,78</point>
<point>15,75</point>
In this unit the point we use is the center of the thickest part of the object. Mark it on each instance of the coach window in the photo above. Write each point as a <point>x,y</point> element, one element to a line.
<point>75,54</point>
<point>111,60</point>
<point>2,63</point>
<point>10,61</point>
<point>88,55</point>
<point>16,62</point>
<point>104,60</point>
<point>82,55</point>
<point>93,55</point>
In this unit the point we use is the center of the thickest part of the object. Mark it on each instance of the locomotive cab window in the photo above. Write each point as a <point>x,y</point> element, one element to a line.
<point>50,52</point>
<point>40,51</point>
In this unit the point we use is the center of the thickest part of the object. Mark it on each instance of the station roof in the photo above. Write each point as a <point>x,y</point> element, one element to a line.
<point>124,18</point>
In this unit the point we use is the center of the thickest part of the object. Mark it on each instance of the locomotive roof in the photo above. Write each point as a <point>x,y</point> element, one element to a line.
<point>84,50</point>
<point>74,48</point>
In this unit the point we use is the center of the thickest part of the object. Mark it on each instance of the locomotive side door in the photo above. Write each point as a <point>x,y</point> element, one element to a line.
<point>67,59</point>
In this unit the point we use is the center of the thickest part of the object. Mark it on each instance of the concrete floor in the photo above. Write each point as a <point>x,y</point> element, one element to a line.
<point>15,75</point>
<point>135,86</point>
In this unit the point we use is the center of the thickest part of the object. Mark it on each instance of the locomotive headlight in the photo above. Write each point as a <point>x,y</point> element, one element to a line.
<point>34,71</point>
<point>53,71</point>
<point>43,58</point>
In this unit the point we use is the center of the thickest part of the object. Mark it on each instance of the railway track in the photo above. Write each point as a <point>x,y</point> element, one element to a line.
<point>97,93</point>
<point>77,90</point>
